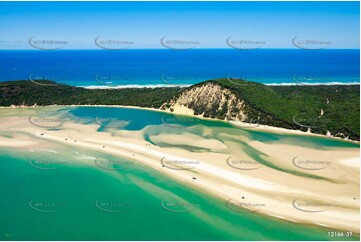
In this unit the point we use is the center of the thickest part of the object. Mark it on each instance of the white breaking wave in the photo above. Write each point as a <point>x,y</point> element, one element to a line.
<point>135,86</point>
<point>311,83</point>
<point>187,85</point>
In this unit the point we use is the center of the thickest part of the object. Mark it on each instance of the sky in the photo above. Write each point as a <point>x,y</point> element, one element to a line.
<point>201,24</point>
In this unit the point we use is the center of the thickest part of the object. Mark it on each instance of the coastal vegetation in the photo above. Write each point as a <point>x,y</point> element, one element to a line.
<point>43,93</point>
<point>322,109</point>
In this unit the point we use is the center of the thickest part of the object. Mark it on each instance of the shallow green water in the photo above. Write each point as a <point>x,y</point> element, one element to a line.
<point>137,119</point>
<point>76,196</point>
<point>66,204</point>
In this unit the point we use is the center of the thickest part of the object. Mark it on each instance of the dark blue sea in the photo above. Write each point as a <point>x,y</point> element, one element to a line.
<point>165,67</point>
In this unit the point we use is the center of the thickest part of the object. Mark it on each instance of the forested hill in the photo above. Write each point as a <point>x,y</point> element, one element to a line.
<point>44,93</point>
<point>321,109</point>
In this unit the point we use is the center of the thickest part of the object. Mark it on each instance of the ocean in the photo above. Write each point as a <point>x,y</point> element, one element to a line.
<point>78,200</point>
<point>165,67</point>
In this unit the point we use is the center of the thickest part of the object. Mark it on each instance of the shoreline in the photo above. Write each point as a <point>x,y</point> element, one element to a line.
<point>259,127</point>
<point>187,85</point>
<point>214,176</point>
<point>151,86</point>
<point>273,84</point>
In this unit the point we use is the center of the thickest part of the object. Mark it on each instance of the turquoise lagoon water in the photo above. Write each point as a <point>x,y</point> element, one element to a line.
<point>72,198</point>
<point>138,119</point>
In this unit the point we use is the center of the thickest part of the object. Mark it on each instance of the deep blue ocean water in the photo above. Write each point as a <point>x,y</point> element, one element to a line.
<point>177,67</point>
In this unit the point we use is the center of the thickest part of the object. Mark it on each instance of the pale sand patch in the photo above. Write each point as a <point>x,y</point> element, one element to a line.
<point>278,130</point>
<point>353,162</point>
<point>189,140</point>
<point>328,163</point>
<point>183,110</point>
<point>278,191</point>
<point>17,141</point>
<point>276,197</point>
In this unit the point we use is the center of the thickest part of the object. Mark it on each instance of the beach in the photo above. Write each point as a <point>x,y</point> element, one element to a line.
<point>288,181</point>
